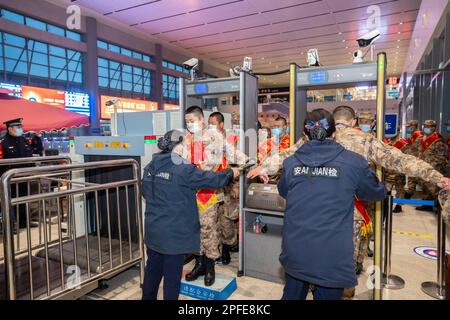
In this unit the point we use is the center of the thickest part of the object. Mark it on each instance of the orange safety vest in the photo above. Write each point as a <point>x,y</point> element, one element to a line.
<point>416,135</point>
<point>285,142</point>
<point>400,144</point>
<point>367,222</point>
<point>265,149</point>
<point>196,153</point>
<point>428,141</point>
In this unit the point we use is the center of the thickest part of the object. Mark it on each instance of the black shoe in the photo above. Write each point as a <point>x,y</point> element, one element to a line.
<point>408,195</point>
<point>397,208</point>
<point>198,270</point>
<point>425,208</point>
<point>210,276</point>
<point>358,268</point>
<point>225,254</point>
<point>234,248</point>
<point>188,258</point>
<point>369,252</point>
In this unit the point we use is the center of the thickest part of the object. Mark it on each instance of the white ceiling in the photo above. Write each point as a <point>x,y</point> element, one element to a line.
<point>273,32</point>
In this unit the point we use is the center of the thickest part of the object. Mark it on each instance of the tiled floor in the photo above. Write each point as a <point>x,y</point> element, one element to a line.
<point>413,268</point>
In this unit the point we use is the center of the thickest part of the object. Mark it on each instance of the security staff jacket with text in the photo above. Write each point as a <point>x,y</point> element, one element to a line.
<point>169,186</point>
<point>319,183</point>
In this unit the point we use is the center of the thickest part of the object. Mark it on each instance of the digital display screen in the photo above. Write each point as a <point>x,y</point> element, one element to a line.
<point>77,102</point>
<point>201,88</point>
<point>318,77</point>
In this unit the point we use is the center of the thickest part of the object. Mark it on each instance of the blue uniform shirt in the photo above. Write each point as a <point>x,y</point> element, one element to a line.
<point>171,216</point>
<point>319,183</point>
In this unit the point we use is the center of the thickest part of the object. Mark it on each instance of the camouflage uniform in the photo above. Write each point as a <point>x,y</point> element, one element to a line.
<point>444,198</point>
<point>228,213</point>
<point>436,155</point>
<point>396,180</point>
<point>210,158</point>
<point>371,149</point>
<point>413,149</point>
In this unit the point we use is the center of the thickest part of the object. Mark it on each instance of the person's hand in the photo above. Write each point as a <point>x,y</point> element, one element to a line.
<point>444,183</point>
<point>236,172</point>
<point>254,172</point>
<point>265,178</point>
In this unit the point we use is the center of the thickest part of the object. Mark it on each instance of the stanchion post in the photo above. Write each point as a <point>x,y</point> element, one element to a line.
<point>381,103</point>
<point>390,281</point>
<point>437,289</point>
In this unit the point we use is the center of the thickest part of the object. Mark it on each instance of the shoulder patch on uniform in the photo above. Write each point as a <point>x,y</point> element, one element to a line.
<point>327,171</point>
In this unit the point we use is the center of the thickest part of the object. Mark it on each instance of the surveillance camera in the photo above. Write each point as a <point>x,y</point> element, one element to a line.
<point>358,57</point>
<point>191,63</point>
<point>313,58</point>
<point>235,71</point>
<point>368,38</point>
<point>247,65</point>
<point>112,102</point>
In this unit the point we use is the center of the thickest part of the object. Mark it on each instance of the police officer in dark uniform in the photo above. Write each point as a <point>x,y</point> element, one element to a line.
<point>16,146</point>
<point>319,183</point>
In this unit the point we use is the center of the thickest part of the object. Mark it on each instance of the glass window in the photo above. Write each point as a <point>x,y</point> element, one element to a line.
<point>113,65</point>
<point>103,82</point>
<point>56,30</point>
<point>114,48</point>
<point>39,70</point>
<point>164,63</point>
<point>16,66</point>
<point>39,58</point>
<point>102,44</point>
<point>102,62</point>
<point>126,68</point>
<point>72,65</point>
<point>179,68</point>
<point>15,53</point>
<point>102,72</point>
<point>137,55</point>
<point>73,35</point>
<point>73,55</point>
<point>127,86</point>
<point>127,77</point>
<point>37,46</point>
<point>57,62</point>
<point>57,51</point>
<point>35,24</point>
<point>12,16</point>
<point>125,52</point>
<point>14,40</point>
<point>146,58</point>
<point>59,74</point>
<point>114,84</point>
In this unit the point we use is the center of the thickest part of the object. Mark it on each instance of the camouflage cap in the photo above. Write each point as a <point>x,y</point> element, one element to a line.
<point>235,117</point>
<point>367,116</point>
<point>412,123</point>
<point>431,123</point>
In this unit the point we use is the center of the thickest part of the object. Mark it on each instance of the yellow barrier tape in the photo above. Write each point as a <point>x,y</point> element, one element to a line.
<point>425,236</point>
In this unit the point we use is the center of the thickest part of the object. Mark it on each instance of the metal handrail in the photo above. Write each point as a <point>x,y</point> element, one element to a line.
<point>28,174</point>
<point>29,160</point>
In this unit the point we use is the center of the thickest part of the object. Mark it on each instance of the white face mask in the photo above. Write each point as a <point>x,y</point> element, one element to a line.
<point>193,127</point>
<point>212,127</point>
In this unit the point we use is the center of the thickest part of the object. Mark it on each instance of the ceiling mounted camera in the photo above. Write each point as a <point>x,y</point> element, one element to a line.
<point>112,102</point>
<point>191,64</point>
<point>369,38</point>
<point>358,56</point>
<point>313,58</point>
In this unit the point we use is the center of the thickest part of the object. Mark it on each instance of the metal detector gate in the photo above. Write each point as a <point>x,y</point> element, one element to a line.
<point>246,85</point>
<point>302,79</point>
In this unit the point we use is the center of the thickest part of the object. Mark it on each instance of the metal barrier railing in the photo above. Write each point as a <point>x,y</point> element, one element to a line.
<point>29,187</point>
<point>107,238</point>
<point>433,289</point>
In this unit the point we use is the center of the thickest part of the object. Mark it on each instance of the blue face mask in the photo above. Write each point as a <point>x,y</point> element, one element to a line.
<point>409,131</point>
<point>448,129</point>
<point>365,127</point>
<point>19,132</point>
<point>427,131</point>
<point>287,130</point>
<point>277,131</point>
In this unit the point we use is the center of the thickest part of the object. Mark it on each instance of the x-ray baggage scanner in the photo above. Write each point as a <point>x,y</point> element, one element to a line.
<point>263,205</point>
<point>136,138</point>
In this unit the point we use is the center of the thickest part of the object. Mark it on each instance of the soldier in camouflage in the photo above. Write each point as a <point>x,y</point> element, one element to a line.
<point>434,151</point>
<point>207,148</point>
<point>414,138</point>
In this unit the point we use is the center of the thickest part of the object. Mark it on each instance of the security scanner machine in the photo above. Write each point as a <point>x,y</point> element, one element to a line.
<point>263,209</point>
<point>246,86</point>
